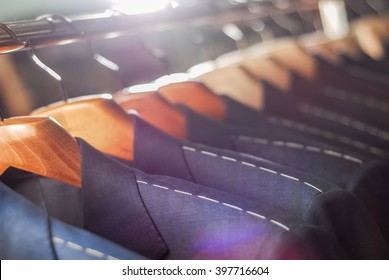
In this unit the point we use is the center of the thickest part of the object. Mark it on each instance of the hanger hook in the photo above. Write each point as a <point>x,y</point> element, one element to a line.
<point>96,56</point>
<point>23,44</point>
<point>9,31</point>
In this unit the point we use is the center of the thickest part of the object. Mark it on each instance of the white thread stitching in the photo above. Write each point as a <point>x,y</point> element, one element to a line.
<point>328,115</point>
<point>342,139</point>
<point>141,182</point>
<point>207,198</point>
<point>88,251</point>
<point>229,206</point>
<point>268,170</point>
<point>181,192</point>
<point>342,94</point>
<point>188,148</point>
<point>332,153</point>
<point>228,158</point>
<point>252,165</point>
<point>158,186</point>
<point>248,164</point>
<point>256,215</point>
<point>279,224</point>
<point>208,154</point>
<point>232,206</point>
<point>95,253</point>
<point>312,186</point>
<point>312,149</point>
<point>74,246</point>
<point>289,177</point>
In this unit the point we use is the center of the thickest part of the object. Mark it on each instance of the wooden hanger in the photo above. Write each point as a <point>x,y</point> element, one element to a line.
<point>259,68</point>
<point>372,34</point>
<point>38,145</point>
<point>99,120</point>
<point>197,97</point>
<point>267,70</point>
<point>296,58</point>
<point>41,146</point>
<point>154,109</point>
<point>235,83</point>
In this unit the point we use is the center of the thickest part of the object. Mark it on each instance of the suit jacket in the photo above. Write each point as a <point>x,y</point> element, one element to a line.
<point>27,232</point>
<point>364,177</point>
<point>262,181</point>
<point>294,124</point>
<point>168,218</point>
<point>191,220</point>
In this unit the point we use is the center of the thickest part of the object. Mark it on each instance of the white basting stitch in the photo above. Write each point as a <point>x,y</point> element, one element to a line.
<point>181,192</point>
<point>268,170</point>
<point>289,177</point>
<point>294,145</point>
<point>312,186</point>
<point>233,206</point>
<point>313,149</point>
<point>251,165</point>
<point>94,253</point>
<point>354,159</point>
<point>280,224</point>
<point>214,201</point>
<point>278,143</point>
<point>189,149</point>
<point>358,125</point>
<point>228,158</point>
<point>342,139</point>
<point>332,153</point>
<point>58,240</point>
<point>160,187</point>
<point>74,246</point>
<point>207,198</point>
<point>78,247</point>
<point>317,150</point>
<point>356,98</point>
<point>142,182</point>
<point>208,154</point>
<point>261,141</point>
<point>245,138</point>
<point>256,215</point>
<point>248,164</point>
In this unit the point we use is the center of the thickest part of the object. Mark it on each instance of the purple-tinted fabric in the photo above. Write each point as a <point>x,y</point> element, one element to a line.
<point>195,222</point>
<point>367,178</point>
<point>261,181</point>
<point>27,232</point>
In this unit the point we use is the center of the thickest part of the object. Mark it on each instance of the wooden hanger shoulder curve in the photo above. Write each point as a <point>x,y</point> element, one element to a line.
<point>99,120</point>
<point>296,58</point>
<point>196,96</point>
<point>156,111</point>
<point>268,70</point>
<point>40,146</point>
<point>237,84</point>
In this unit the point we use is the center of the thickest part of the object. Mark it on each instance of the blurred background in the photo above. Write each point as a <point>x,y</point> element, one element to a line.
<point>147,56</point>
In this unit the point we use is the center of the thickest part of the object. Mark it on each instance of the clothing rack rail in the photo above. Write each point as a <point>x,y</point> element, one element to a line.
<point>111,24</point>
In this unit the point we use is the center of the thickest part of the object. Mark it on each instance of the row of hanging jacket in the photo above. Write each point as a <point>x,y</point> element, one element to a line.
<point>275,151</point>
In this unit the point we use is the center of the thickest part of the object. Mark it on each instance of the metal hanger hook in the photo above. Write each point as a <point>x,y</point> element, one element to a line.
<point>24,44</point>
<point>12,34</point>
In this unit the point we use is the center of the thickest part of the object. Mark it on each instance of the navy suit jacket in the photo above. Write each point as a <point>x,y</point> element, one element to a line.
<point>365,177</point>
<point>27,232</point>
